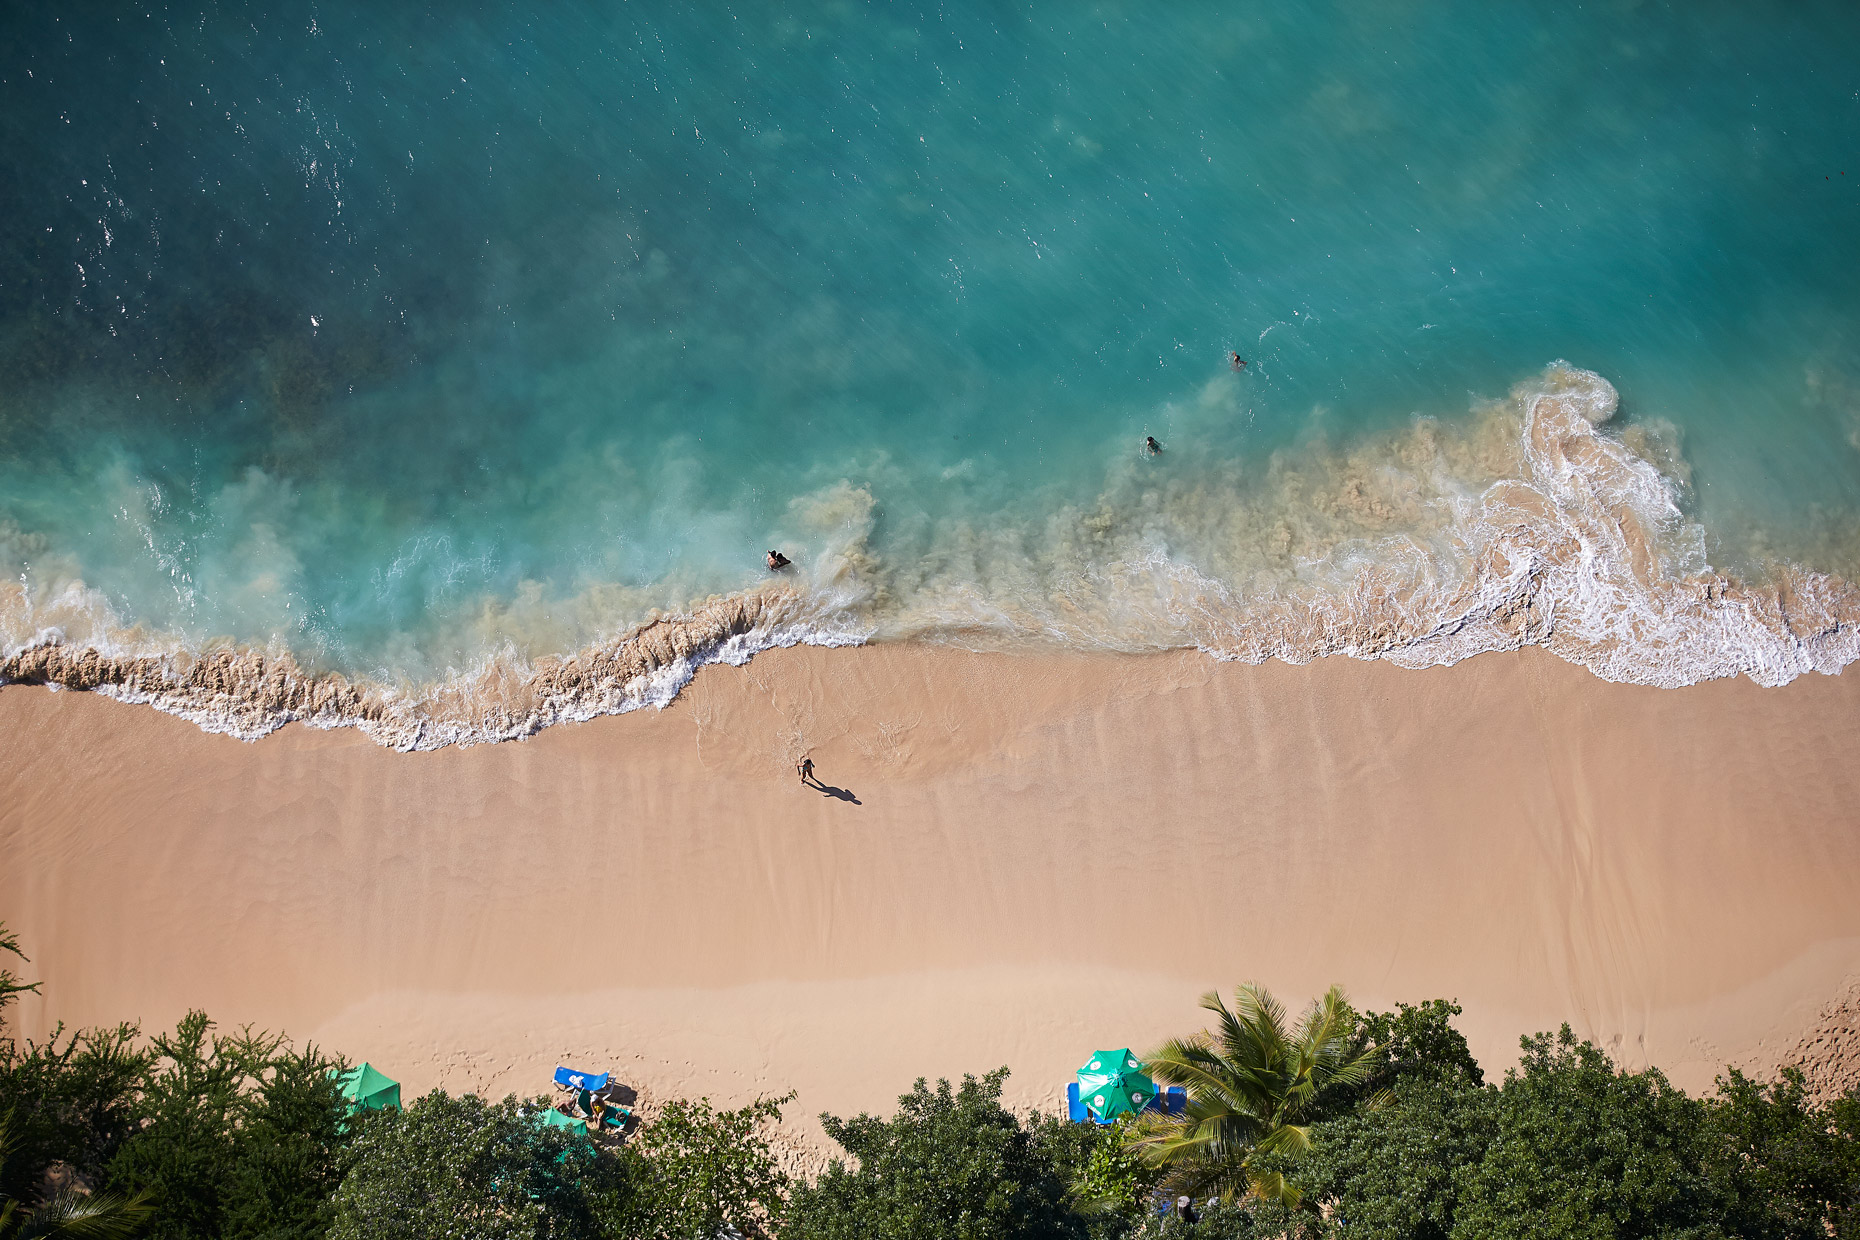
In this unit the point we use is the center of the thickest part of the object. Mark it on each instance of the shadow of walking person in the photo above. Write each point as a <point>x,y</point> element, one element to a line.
<point>805,769</point>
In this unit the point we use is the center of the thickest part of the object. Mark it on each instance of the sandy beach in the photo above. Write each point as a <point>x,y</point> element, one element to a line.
<point>1012,859</point>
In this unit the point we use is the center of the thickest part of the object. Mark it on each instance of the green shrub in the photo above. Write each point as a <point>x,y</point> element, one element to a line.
<point>950,1165</point>
<point>232,1136</point>
<point>1571,1146</point>
<point>695,1173</point>
<point>450,1168</point>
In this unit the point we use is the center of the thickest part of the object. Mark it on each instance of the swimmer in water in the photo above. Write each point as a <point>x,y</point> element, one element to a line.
<point>777,561</point>
<point>1239,362</point>
<point>1150,445</point>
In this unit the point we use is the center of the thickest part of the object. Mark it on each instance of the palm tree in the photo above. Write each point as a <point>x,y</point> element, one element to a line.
<point>69,1215</point>
<point>1249,1084</point>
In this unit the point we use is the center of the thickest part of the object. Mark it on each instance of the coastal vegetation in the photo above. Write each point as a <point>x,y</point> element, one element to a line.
<point>1250,1082</point>
<point>1342,1124</point>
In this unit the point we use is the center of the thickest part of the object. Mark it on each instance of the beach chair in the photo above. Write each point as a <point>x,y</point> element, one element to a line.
<point>569,1078</point>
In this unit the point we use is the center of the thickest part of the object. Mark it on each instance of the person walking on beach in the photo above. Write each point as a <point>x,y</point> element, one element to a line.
<point>806,768</point>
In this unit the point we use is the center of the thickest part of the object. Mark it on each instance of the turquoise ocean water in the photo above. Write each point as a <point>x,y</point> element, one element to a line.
<point>414,344</point>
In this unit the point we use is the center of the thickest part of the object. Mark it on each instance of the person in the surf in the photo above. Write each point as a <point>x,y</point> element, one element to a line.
<point>778,561</point>
<point>1239,362</point>
<point>1150,445</point>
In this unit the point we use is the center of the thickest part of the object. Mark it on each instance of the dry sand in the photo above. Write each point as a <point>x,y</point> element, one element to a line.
<point>1018,859</point>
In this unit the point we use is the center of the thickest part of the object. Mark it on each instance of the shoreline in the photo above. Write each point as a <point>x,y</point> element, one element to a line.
<point>1532,528</point>
<point>1023,856</point>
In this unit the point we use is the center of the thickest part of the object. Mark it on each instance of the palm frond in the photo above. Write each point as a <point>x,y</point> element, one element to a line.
<point>1273,1186</point>
<point>1249,1081</point>
<point>1212,1080</point>
<point>1264,1020</point>
<point>93,1216</point>
<point>1292,1140</point>
<point>1227,1179</point>
<point>1163,1141</point>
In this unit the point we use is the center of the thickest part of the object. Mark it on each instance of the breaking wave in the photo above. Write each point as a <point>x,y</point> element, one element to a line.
<point>249,693</point>
<point>1535,523</point>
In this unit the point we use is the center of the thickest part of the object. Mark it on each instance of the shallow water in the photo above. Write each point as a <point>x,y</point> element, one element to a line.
<point>406,345</point>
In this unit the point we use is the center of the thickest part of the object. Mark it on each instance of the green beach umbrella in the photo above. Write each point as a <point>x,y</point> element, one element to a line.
<point>369,1089</point>
<point>1112,1082</point>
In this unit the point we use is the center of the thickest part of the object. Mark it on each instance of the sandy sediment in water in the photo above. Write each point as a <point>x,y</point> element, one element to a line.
<point>1015,859</point>
<point>1531,525</point>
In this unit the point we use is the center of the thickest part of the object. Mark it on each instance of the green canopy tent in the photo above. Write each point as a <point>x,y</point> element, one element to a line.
<point>368,1089</point>
<point>552,1118</point>
<point>1112,1083</point>
<point>549,1117</point>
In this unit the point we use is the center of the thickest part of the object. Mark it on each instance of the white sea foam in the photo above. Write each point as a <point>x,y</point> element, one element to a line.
<point>1532,524</point>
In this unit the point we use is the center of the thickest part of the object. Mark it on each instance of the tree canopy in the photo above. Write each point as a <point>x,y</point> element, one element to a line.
<point>695,1172</point>
<point>951,1164</point>
<point>448,1168</point>
<point>1571,1145</point>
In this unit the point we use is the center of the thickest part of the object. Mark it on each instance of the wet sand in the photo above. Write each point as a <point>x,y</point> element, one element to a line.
<point>1013,859</point>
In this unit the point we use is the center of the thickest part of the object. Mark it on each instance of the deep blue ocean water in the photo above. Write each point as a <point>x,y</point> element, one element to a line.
<point>393,337</point>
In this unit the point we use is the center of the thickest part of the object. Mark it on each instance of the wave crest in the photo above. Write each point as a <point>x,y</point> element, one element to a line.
<point>1585,553</point>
